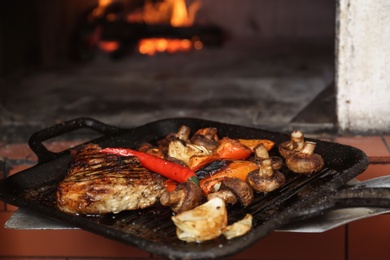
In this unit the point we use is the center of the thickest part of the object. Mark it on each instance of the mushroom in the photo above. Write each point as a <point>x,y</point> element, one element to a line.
<point>233,190</point>
<point>266,179</point>
<point>305,161</point>
<point>206,137</point>
<point>261,153</point>
<point>183,133</point>
<point>226,195</point>
<point>240,188</point>
<point>186,196</point>
<point>295,144</point>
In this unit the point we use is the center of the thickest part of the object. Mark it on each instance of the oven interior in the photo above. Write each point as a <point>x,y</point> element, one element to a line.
<point>268,64</point>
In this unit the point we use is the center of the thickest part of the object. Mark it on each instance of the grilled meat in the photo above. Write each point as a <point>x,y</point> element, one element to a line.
<point>99,183</point>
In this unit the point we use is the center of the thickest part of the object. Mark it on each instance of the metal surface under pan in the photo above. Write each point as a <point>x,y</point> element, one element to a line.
<point>152,229</point>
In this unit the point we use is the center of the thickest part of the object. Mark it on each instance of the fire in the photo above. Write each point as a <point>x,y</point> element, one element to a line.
<point>175,13</point>
<point>169,12</point>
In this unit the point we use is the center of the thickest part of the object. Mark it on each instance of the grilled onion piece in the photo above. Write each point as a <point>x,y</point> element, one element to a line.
<point>239,228</point>
<point>202,223</point>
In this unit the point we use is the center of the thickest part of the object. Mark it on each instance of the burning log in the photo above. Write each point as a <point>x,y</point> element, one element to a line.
<point>120,30</point>
<point>114,29</point>
<point>129,34</point>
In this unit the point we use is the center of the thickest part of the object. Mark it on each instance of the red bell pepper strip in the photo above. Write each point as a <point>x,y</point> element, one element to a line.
<point>166,168</point>
<point>170,185</point>
<point>232,149</point>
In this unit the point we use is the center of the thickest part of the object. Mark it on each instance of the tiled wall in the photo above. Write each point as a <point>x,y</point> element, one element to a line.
<point>364,239</point>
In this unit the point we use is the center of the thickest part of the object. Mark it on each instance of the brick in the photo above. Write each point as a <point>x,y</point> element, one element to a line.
<point>59,146</point>
<point>18,168</point>
<point>61,243</point>
<point>374,170</point>
<point>3,169</point>
<point>373,146</point>
<point>387,142</point>
<point>286,245</point>
<point>18,151</point>
<point>369,238</point>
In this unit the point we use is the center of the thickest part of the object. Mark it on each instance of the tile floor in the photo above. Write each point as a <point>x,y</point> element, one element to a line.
<point>363,239</point>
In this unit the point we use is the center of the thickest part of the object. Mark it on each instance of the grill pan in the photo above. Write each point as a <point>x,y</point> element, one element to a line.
<point>152,229</point>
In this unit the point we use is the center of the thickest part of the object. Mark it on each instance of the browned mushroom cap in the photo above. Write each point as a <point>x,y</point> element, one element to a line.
<point>305,161</point>
<point>295,144</point>
<point>266,179</point>
<point>186,196</point>
<point>261,153</point>
<point>240,189</point>
<point>226,195</point>
<point>182,135</point>
<point>206,137</point>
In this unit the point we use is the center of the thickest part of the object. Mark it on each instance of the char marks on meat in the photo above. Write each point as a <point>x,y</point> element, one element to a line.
<point>98,183</point>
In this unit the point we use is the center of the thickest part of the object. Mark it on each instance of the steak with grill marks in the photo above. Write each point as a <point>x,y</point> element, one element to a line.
<point>98,183</point>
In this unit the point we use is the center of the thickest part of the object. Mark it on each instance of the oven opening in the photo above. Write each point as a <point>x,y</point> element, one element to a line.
<point>148,27</point>
<point>267,64</point>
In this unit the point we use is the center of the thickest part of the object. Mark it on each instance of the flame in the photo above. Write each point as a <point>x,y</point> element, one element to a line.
<point>172,12</point>
<point>108,46</point>
<point>154,45</point>
<point>180,15</point>
<point>99,10</point>
<point>175,13</point>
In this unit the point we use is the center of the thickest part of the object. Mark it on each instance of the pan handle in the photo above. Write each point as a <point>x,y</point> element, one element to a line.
<point>370,193</point>
<point>373,193</point>
<point>36,140</point>
<point>362,197</point>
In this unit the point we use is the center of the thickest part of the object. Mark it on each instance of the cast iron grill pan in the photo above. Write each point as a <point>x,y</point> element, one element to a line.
<point>152,229</point>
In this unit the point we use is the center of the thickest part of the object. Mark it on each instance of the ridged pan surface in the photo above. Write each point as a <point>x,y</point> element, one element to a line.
<point>152,229</point>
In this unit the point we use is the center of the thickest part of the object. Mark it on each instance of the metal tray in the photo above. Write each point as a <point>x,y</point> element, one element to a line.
<point>152,229</point>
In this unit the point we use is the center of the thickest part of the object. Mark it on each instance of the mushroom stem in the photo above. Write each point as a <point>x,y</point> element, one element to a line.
<point>297,139</point>
<point>183,133</point>
<point>295,144</point>
<point>305,161</point>
<point>308,148</point>
<point>265,169</point>
<point>261,151</point>
<point>171,198</point>
<point>186,196</point>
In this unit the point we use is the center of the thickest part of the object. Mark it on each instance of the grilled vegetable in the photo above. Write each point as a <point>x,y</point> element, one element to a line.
<point>227,149</point>
<point>170,185</point>
<point>186,196</point>
<point>240,189</point>
<point>294,145</point>
<point>236,169</point>
<point>232,149</point>
<point>253,143</point>
<point>261,154</point>
<point>206,137</point>
<point>166,168</point>
<point>266,179</point>
<point>305,161</point>
<point>239,228</point>
<point>202,223</point>
<point>184,151</point>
